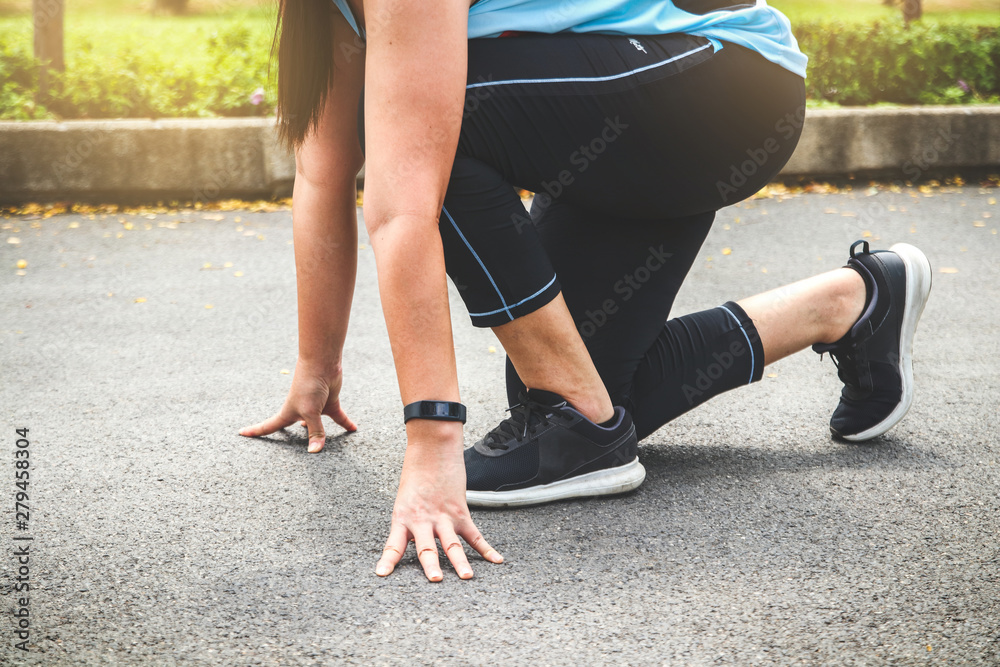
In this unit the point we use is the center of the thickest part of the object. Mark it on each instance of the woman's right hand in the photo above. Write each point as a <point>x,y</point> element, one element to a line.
<point>315,392</point>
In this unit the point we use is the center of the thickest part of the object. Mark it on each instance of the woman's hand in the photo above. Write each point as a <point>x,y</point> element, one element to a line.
<point>431,503</point>
<point>315,392</point>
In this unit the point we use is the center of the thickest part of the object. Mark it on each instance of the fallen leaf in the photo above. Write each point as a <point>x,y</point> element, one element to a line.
<point>239,228</point>
<point>764,270</point>
<point>13,240</point>
<point>362,246</point>
<point>772,375</point>
<point>491,349</point>
<point>22,263</point>
<point>285,371</point>
<point>948,269</point>
<point>212,216</point>
<point>74,225</point>
<point>209,306</point>
<point>140,299</point>
<point>979,223</point>
<point>128,226</point>
<point>228,265</point>
<point>992,201</point>
<point>727,251</point>
<point>206,265</point>
<point>866,234</point>
<point>238,274</point>
<point>237,219</point>
<point>260,237</point>
<point>708,259</point>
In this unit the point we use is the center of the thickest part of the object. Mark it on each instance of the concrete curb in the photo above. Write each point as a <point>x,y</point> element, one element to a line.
<point>200,160</point>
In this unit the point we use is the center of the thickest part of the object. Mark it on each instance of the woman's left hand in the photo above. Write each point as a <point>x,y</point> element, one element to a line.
<point>431,504</point>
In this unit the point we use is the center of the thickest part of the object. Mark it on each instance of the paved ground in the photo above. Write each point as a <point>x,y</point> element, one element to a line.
<point>162,537</point>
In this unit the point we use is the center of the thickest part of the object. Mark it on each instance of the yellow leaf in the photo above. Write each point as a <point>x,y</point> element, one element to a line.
<point>866,235</point>
<point>22,264</point>
<point>128,226</point>
<point>491,349</point>
<point>239,228</point>
<point>979,223</point>
<point>285,371</point>
<point>948,269</point>
<point>209,306</point>
<point>74,224</point>
<point>119,235</point>
<point>772,375</point>
<point>992,201</point>
<point>238,274</point>
<point>237,219</point>
<point>140,299</point>
<point>764,270</point>
<point>260,237</point>
<point>206,265</point>
<point>228,265</point>
<point>727,251</point>
<point>13,240</point>
<point>708,259</point>
<point>111,293</point>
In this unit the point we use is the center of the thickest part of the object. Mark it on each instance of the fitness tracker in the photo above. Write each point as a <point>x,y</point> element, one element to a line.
<point>435,410</point>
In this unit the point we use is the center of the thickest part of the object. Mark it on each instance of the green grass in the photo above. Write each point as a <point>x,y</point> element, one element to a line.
<point>122,61</point>
<point>977,12</point>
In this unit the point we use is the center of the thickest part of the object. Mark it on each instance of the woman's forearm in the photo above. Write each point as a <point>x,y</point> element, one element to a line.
<point>414,293</point>
<point>325,230</point>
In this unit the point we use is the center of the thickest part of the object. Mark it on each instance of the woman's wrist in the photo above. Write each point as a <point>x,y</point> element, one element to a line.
<point>322,363</point>
<point>427,434</point>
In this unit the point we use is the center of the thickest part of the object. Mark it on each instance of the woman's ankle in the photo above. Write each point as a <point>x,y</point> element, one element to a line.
<point>847,300</point>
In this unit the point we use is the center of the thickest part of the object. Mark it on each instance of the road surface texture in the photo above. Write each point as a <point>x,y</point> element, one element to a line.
<point>134,347</point>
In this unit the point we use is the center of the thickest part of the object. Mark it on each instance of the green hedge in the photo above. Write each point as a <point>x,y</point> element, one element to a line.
<point>197,73</point>
<point>889,63</point>
<point>175,68</point>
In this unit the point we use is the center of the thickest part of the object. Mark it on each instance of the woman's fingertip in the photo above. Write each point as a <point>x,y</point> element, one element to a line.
<point>315,447</point>
<point>382,570</point>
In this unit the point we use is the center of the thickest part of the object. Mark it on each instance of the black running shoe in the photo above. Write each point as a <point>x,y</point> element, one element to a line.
<point>548,451</point>
<point>873,359</point>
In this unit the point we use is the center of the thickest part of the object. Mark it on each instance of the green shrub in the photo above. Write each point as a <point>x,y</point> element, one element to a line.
<point>201,72</point>
<point>887,62</point>
<point>201,67</point>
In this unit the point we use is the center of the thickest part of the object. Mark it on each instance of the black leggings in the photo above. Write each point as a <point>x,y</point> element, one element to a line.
<point>631,145</point>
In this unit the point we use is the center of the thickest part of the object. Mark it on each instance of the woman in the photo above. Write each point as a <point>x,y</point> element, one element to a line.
<point>634,121</point>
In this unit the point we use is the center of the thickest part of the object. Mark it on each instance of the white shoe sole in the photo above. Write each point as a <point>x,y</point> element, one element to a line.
<point>918,288</point>
<point>599,483</point>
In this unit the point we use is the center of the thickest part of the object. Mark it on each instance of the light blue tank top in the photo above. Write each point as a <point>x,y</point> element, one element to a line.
<point>754,25</point>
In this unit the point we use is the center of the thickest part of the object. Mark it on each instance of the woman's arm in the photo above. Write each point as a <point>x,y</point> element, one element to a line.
<point>414,95</point>
<point>325,229</point>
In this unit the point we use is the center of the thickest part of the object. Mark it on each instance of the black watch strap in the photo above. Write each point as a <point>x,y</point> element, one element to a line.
<point>436,410</point>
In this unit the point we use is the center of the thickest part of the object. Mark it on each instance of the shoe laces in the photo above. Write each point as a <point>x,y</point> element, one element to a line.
<point>847,368</point>
<point>525,419</point>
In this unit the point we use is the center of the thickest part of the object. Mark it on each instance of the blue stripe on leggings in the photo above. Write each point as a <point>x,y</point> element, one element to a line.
<point>468,245</point>
<point>753,365</point>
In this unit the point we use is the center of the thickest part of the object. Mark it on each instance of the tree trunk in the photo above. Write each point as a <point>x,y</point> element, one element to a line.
<point>170,6</point>
<point>47,16</point>
<point>912,10</point>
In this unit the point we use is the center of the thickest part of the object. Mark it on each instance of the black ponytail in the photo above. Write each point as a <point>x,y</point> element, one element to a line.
<point>303,40</point>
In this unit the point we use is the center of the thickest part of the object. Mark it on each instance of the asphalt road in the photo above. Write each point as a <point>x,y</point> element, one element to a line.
<point>162,537</point>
